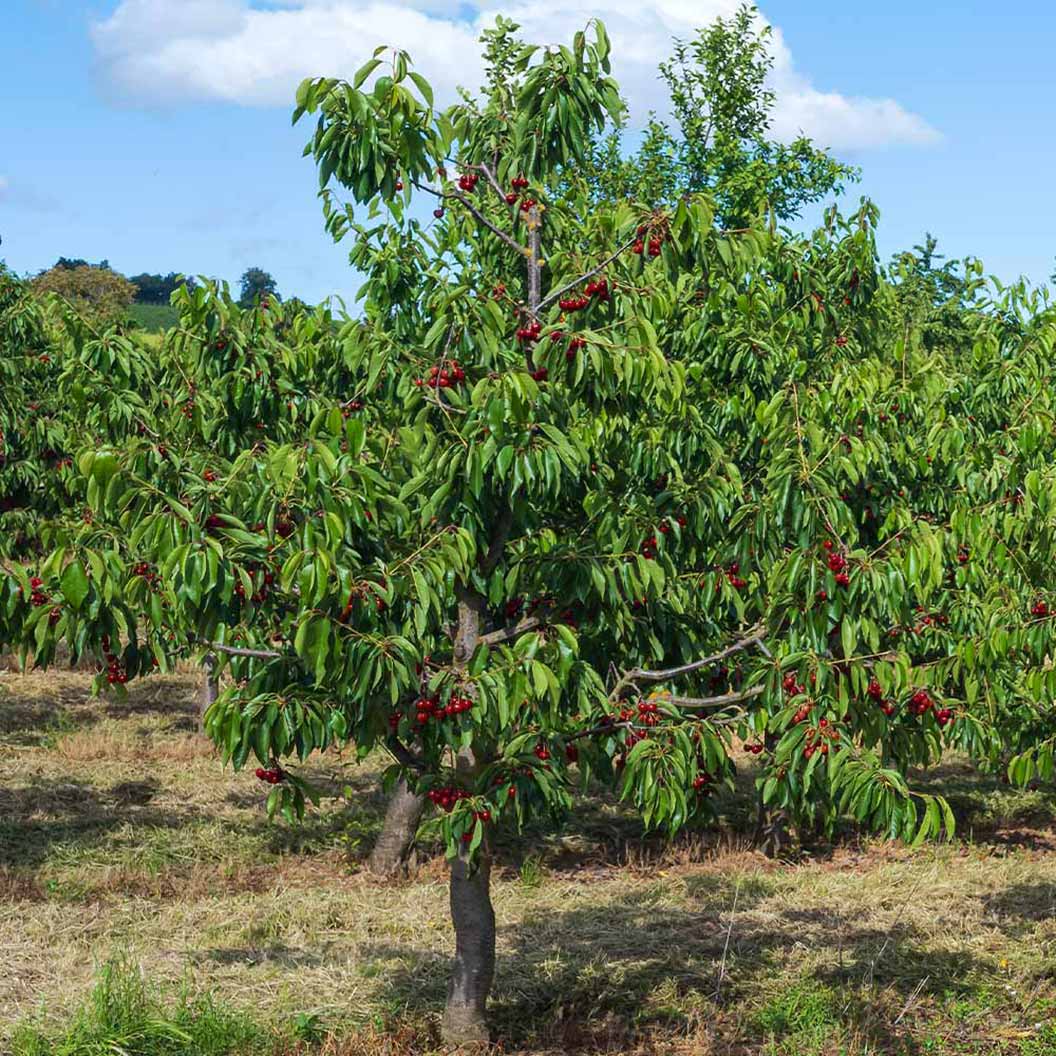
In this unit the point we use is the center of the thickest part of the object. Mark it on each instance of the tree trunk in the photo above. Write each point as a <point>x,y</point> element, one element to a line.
<point>465,1022</point>
<point>474,968</point>
<point>392,851</point>
<point>771,824</point>
<point>208,691</point>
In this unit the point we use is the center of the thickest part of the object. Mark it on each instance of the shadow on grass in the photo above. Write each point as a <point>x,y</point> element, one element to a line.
<point>620,973</point>
<point>36,711</point>
<point>45,814</point>
<point>1019,908</point>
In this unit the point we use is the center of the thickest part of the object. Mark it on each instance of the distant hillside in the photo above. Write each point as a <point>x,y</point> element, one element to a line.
<point>153,317</point>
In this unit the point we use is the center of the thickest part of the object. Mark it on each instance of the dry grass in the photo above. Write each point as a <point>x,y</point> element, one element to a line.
<point>121,836</point>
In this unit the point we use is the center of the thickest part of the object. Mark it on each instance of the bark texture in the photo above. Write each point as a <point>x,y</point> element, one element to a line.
<point>465,1016</point>
<point>208,692</point>
<point>394,850</point>
<point>465,1021</point>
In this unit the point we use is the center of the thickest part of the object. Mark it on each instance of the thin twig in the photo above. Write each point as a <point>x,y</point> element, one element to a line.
<point>493,181</point>
<point>726,947</point>
<point>911,999</point>
<point>236,650</point>
<point>475,211</point>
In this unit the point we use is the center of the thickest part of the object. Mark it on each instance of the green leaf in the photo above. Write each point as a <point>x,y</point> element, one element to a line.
<point>74,584</point>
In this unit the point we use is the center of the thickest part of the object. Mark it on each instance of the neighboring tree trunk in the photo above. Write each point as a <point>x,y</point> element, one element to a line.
<point>771,825</point>
<point>208,692</point>
<point>392,852</point>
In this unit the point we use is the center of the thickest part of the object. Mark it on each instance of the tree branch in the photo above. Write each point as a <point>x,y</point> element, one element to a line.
<point>629,678</point>
<point>492,180</point>
<point>498,540</point>
<point>445,196</point>
<point>583,278</point>
<point>404,755</point>
<point>711,702</point>
<point>504,634</point>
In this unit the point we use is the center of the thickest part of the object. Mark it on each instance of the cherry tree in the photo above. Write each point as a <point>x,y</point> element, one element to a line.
<point>593,489</point>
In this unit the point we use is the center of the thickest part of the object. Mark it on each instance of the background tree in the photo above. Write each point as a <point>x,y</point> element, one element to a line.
<point>723,111</point>
<point>939,300</point>
<point>98,292</point>
<point>158,289</point>
<point>256,283</point>
<point>72,263</point>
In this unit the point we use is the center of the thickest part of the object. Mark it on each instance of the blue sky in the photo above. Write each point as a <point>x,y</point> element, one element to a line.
<point>156,133</point>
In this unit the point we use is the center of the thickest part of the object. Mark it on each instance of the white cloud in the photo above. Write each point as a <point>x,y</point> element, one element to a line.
<point>161,51</point>
<point>3,186</point>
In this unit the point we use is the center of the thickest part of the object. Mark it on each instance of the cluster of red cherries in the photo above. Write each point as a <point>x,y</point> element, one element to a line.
<point>273,776</point>
<point>655,242</point>
<point>794,689</point>
<point>921,703</point>
<point>817,740</point>
<point>39,597</point>
<point>427,708</point>
<point>665,526</point>
<point>152,579</point>
<point>732,577</point>
<point>648,713</point>
<point>261,595</point>
<point>447,376</point>
<point>876,692</point>
<point>519,183</point>
<point>468,181</point>
<point>1039,608</point>
<point>597,288</point>
<point>837,563</point>
<point>703,783</point>
<point>445,798</point>
<point>531,332</point>
<point>116,675</point>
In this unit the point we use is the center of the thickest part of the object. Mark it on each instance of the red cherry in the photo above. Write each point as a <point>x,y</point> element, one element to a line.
<point>438,213</point>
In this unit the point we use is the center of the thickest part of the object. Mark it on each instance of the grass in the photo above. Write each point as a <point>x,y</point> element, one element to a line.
<point>153,317</point>
<point>125,1016</point>
<point>137,875</point>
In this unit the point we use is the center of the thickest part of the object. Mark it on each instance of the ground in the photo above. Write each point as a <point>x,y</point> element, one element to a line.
<point>129,854</point>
